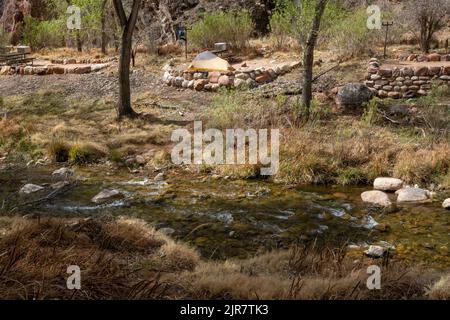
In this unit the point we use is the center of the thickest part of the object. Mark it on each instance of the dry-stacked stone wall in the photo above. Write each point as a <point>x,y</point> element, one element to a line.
<point>404,81</point>
<point>212,81</point>
<point>51,69</point>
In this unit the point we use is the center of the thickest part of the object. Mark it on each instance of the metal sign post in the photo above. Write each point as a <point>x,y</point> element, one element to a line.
<point>181,34</point>
<point>386,25</point>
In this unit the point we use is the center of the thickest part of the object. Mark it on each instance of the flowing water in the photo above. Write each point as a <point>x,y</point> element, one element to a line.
<point>226,218</point>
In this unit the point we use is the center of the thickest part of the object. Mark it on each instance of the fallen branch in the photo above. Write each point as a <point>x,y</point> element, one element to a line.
<point>325,72</point>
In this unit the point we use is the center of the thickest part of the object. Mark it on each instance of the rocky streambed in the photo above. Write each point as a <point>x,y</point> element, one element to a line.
<point>233,218</point>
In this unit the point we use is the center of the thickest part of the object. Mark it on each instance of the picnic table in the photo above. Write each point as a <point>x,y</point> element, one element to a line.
<point>15,58</point>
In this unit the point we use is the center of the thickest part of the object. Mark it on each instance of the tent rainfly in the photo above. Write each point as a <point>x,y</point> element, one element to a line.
<point>208,61</point>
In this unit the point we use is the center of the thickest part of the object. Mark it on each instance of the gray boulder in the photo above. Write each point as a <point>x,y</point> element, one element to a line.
<point>353,95</point>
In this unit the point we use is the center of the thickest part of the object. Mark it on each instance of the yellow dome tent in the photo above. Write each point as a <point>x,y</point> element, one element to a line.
<point>208,61</point>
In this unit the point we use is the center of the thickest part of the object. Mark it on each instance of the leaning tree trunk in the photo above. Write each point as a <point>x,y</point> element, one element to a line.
<point>308,57</point>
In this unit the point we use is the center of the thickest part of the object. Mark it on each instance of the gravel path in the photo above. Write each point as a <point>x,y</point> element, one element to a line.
<point>84,85</point>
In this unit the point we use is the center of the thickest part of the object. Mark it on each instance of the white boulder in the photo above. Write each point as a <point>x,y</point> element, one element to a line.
<point>107,195</point>
<point>446,204</point>
<point>377,198</point>
<point>375,251</point>
<point>30,188</point>
<point>412,195</point>
<point>387,184</point>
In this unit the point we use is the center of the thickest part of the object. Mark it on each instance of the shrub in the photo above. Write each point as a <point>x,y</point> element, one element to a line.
<point>5,38</point>
<point>39,34</point>
<point>435,115</point>
<point>234,27</point>
<point>280,26</point>
<point>350,34</point>
<point>58,150</point>
<point>86,153</point>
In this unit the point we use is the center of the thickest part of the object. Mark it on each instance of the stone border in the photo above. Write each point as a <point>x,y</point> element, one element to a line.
<point>433,57</point>
<point>212,81</point>
<point>65,61</point>
<point>404,82</point>
<point>51,69</point>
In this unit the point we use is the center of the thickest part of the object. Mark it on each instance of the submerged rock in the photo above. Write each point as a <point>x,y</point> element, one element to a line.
<point>107,195</point>
<point>30,188</point>
<point>387,184</point>
<point>446,204</point>
<point>167,231</point>
<point>377,198</point>
<point>159,177</point>
<point>60,185</point>
<point>63,172</point>
<point>412,195</point>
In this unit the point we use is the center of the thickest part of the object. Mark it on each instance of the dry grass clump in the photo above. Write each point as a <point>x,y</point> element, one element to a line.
<point>441,289</point>
<point>306,272</point>
<point>358,155</point>
<point>127,259</point>
<point>9,127</point>
<point>423,165</point>
<point>86,152</point>
<point>35,258</point>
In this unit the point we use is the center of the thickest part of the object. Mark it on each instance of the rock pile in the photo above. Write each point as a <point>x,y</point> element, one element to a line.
<point>212,81</point>
<point>380,198</point>
<point>404,82</point>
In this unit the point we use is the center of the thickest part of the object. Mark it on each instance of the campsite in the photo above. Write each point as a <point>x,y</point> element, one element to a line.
<point>224,150</point>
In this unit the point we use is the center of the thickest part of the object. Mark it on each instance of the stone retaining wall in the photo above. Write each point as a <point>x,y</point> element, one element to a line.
<point>51,69</point>
<point>211,81</point>
<point>65,61</point>
<point>433,57</point>
<point>406,81</point>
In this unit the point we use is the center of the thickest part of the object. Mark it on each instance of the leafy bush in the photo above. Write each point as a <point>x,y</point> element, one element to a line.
<point>350,35</point>
<point>5,38</point>
<point>434,114</point>
<point>291,20</point>
<point>280,26</point>
<point>40,34</point>
<point>234,27</point>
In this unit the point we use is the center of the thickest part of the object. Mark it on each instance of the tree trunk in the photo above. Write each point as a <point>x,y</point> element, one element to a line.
<point>308,57</point>
<point>124,108</point>
<point>79,42</point>
<point>103,22</point>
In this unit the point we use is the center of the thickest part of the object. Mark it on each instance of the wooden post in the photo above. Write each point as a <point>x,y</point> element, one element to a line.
<point>386,25</point>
